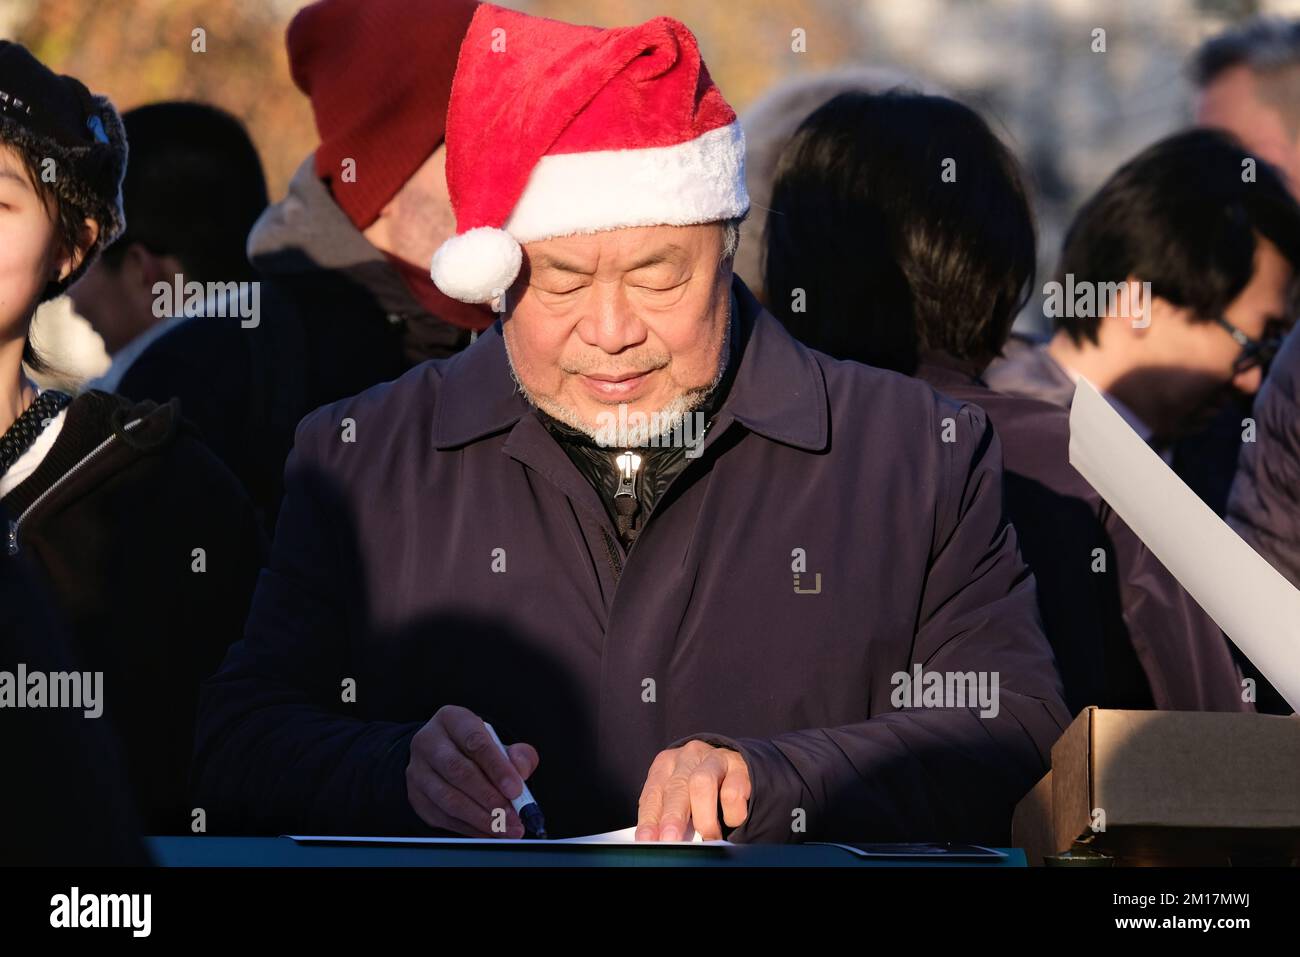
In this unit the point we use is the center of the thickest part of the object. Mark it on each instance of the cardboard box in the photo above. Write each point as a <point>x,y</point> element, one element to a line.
<point>1169,788</point>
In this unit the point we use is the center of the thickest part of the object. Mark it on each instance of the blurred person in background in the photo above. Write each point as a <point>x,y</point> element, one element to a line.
<point>1264,507</point>
<point>872,255</point>
<point>346,300</point>
<point>768,126</point>
<point>1248,82</point>
<point>141,536</point>
<point>1219,250</point>
<point>193,189</point>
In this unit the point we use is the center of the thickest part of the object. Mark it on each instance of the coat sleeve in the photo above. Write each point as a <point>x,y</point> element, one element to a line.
<point>1186,657</point>
<point>930,774</point>
<point>276,750</point>
<point>1264,505</point>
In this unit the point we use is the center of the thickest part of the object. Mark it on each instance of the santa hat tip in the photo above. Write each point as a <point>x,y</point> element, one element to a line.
<point>478,265</point>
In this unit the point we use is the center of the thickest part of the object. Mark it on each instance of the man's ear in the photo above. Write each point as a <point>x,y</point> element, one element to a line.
<point>86,237</point>
<point>1134,307</point>
<point>144,268</point>
<point>1162,310</point>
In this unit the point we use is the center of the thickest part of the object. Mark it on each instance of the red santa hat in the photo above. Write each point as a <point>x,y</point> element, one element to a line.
<point>555,129</point>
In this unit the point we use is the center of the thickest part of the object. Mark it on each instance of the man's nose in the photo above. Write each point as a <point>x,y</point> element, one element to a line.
<point>610,324</point>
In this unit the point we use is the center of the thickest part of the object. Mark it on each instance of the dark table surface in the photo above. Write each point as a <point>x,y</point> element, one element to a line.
<point>284,852</point>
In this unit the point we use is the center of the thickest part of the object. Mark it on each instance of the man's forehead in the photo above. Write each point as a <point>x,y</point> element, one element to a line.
<point>621,249</point>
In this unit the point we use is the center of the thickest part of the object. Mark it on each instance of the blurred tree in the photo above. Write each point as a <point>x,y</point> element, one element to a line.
<point>747,44</point>
<point>141,51</point>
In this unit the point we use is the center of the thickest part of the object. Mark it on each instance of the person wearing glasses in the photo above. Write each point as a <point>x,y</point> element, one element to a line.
<point>895,270</point>
<point>1213,236</point>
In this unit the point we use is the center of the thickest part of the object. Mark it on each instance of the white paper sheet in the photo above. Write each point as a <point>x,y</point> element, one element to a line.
<point>624,836</point>
<point>1248,598</point>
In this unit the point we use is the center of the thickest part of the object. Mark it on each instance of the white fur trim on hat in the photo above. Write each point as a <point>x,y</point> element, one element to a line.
<point>699,181</point>
<point>478,265</point>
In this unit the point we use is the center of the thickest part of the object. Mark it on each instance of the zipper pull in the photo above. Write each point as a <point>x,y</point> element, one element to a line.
<point>628,465</point>
<point>625,500</point>
<point>13,537</point>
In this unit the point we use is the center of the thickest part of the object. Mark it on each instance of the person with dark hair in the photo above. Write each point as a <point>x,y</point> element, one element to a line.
<point>1173,288</point>
<point>911,247</point>
<point>771,121</point>
<point>900,235</point>
<point>345,299</point>
<point>1248,82</point>
<point>142,537</point>
<point>193,189</point>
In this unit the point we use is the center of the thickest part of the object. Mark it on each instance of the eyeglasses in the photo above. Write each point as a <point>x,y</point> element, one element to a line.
<point>1254,352</point>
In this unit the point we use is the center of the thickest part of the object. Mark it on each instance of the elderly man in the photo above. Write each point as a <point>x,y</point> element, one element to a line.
<point>698,575</point>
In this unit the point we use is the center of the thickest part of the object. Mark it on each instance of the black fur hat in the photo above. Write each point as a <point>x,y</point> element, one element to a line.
<point>55,117</point>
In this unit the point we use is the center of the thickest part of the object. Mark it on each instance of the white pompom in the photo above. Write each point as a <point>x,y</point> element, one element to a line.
<point>478,265</point>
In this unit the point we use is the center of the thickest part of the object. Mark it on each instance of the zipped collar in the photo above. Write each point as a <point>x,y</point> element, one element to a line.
<point>97,425</point>
<point>779,391</point>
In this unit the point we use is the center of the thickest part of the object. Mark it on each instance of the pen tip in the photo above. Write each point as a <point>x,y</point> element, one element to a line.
<point>533,821</point>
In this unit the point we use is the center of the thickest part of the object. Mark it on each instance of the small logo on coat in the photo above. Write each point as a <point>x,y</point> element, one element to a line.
<point>799,565</point>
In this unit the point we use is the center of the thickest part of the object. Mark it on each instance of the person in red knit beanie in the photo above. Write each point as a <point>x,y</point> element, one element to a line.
<point>379,77</point>
<point>347,300</point>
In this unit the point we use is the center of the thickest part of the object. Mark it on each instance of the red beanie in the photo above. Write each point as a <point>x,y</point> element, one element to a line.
<point>378,73</point>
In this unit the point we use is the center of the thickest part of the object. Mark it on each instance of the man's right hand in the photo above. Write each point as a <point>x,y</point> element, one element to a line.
<point>458,779</point>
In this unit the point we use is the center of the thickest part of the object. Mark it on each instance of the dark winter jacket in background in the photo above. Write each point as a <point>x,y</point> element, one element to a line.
<point>1126,637</point>
<point>66,800</point>
<point>827,540</point>
<point>110,521</point>
<point>1205,460</point>
<point>335,318</point>
<point>1264,507</point>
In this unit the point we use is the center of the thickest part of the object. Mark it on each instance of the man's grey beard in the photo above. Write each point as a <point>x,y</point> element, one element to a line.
<point>652,428</point>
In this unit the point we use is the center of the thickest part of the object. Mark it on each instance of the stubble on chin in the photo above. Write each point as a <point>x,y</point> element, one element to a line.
<point>668,416</point>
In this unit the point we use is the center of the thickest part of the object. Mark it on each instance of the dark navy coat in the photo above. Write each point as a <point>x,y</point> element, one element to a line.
<point>842,526</point>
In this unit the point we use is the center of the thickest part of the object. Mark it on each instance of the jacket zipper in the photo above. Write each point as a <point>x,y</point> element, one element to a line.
<point>15,524</point>
<point>629,465</point>
<point>626,502</point>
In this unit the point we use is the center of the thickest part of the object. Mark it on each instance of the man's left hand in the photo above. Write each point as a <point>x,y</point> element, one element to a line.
<point>684,787</point>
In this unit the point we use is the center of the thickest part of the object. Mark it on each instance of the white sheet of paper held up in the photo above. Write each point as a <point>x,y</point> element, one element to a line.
<point>625,836</point>
<point>1248,598</point>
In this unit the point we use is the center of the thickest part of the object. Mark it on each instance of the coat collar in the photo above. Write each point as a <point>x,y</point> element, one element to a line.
<point>778,392</point>
<point>941,369</point>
